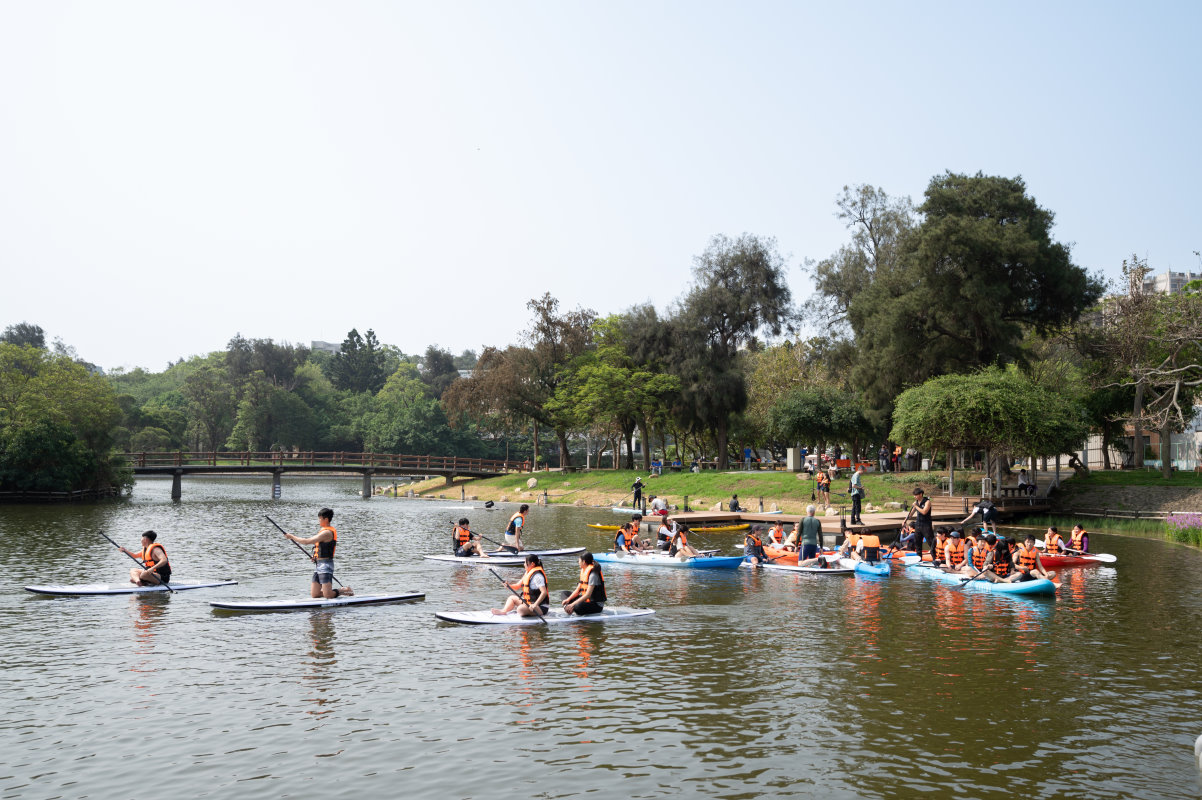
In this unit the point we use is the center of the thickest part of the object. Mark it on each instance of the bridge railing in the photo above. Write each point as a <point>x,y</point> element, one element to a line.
<point>314,458</point>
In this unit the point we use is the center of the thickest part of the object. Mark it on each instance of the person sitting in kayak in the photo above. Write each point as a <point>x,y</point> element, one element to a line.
<point>1078,539</point>
<point>156,568</point>
<point>324,544</point>
<point>589,595</point>
<point>465,542</point>
<point>533,592</point>
<point>868,548</point>
<point>665,534</point>
<point>1053,543</point>
<point>905,540</point>
<point>1028,567</point>
<point>850,540</point>
<point>513,531</point>
<point>776,535</point>
<point>753,547</point>
<point>679,545</point>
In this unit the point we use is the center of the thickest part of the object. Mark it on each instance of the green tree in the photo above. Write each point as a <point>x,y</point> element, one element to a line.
<point>438,370</point>
<point>211,405</point>
<point>359,365</point>
<point>25,333</point>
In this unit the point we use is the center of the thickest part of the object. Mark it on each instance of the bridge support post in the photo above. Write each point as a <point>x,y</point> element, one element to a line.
<point>448,480</point>
<point>276,489</point>
<point>177,484</point>
<point>367,484</point>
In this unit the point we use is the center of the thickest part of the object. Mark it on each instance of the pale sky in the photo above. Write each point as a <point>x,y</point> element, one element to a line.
<point>174,173</point>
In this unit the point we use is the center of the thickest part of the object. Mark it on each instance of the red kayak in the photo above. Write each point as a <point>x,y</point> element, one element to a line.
<point>1068,561</point>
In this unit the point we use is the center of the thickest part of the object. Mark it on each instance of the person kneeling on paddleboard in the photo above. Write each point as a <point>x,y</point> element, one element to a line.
<point>154,558</point>
<point>464,542</point>
<point>589,594</point>
<point>513,531</point>
<point>323,557</point>
<point>533,592</point>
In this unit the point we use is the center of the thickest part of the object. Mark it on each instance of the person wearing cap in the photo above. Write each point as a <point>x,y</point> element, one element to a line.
<point>811,533</point>
<point>856,489</point>
<point>753,546</point>
<point>922,521</point>
<point>955,551</point>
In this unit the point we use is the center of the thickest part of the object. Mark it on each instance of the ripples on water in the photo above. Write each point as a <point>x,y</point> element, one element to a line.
<point>743,685</point>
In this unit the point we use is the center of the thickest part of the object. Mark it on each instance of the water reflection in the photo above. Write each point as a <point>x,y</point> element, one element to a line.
<point>321,666</point>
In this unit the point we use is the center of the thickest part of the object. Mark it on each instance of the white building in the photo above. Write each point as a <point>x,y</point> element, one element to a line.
<point>1169,282</point>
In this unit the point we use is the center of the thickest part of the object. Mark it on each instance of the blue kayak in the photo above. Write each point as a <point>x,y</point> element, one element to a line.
<point>1035,587</point>
<point>879,568</point>
<point>670,562</point>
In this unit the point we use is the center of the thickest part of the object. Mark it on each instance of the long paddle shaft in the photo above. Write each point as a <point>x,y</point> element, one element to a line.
<point>136,561</point>
<point>485,538</point>
<point>515,594</point>
<point>964,583</point>
<point>298,547</point>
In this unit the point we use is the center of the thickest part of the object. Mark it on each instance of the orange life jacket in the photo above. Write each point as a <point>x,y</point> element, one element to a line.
<point>755,540</point>
<point>582,587</point>
<point>1052,543</point>
<point>955,551</point>
<point>777,535</point>
<point>939,548</point>
<point>515,527</point>
<point>852,539</point>
<point>870,540</point>
<point>1077,539</point>
<point>1026,557</point>
<point>148,554</point>
<point>325,550</point>
<point>1001,561</point>
<point>462,535</point>
<point>979,553</point>
<point>527,597</point>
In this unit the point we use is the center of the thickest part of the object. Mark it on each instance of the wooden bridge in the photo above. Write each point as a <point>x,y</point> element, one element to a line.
<point>276,463</point>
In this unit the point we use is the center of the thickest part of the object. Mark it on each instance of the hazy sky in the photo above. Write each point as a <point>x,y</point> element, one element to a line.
<point>174,173</point>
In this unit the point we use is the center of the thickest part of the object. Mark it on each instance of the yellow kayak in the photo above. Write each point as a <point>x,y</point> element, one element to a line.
<point>742,526</point>
<point>603,527</point>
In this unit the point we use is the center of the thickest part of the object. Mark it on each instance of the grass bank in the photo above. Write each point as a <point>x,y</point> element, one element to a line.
<point>790,492</point>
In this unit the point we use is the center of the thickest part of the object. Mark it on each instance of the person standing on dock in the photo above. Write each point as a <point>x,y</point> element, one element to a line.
<point>811,533</point>
<point>856,490</point>
<point>923,532</point>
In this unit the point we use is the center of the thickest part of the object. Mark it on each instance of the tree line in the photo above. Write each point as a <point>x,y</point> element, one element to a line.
<point>955,323</point>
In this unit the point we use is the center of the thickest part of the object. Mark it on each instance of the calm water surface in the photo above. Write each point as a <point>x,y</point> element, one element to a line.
<point>742,685</point>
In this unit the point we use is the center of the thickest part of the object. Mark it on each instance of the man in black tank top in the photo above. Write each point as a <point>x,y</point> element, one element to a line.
<point>922,521</point>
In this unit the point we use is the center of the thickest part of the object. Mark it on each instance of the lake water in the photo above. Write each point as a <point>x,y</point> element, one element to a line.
<point>742,685</point>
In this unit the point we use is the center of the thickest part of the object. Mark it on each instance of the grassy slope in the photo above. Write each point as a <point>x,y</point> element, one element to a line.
<point>608,488</point>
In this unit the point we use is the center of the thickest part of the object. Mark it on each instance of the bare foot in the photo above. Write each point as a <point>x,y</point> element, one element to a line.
<point>346,591</point>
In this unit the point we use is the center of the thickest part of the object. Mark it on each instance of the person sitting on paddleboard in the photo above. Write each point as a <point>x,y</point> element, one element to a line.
<point>753,547</point>
<point>905,541</point>
<point>1028,567</point>
<point>533,592</point>
<point>818,561</point>
<point>156,568</point>
<point>998,564</point>
<point>623,540</point>
<point>465,542</point>
<point>513,531</point>
<point>939,551</point>
<point>324,544</point>
<point>679,545</point>
<point>1078,539</point>
<point>589,595</point>
<point>955,552</point>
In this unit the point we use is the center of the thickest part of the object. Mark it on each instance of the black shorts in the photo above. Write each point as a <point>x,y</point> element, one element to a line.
<point>164,575</point>
<point>588,607</point>
<point>465,551</point>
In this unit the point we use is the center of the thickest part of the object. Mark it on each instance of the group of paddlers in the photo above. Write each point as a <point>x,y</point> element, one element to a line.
<point>671,537</point>
<point>532,594</point>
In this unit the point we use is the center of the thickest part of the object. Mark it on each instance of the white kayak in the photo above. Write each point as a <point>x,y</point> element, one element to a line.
<point>807,570</point>
<point>625,510</point>
<point>504,558</point>
<point>319,602</point>
<point>555,615</point>
<point>81,589</point>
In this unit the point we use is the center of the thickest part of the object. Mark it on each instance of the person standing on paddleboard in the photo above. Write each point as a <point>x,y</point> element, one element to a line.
<point>323,557</point>
<point>533,592</point>
<point>589,595</point>
<point>157,569</point>
<point>513,531</point>
<point>923,531</point>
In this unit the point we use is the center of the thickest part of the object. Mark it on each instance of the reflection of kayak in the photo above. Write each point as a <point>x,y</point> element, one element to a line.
<point>1036,587</point>
<point>502,558</point>
<point>670,562</point>
<point>553,616</point>
<point>80,589</point>
<point>865,568</point>
<point>318,602</point>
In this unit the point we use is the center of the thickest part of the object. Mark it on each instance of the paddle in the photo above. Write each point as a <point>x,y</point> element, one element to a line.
<point>136,561</point>
<point>964,582</point>
<point>298,547</point>
<point>515,594</point>
<point>1103,557</point>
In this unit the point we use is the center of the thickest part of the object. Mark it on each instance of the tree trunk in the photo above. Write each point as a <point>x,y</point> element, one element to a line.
<point>1137,440</point>
<point>645,435</point>
<point>1105,449</point>
<point>535,461</point>
<point>720,437</point>
<point>565,455</point>
<point>1166,450</point>
<point>628,436</point>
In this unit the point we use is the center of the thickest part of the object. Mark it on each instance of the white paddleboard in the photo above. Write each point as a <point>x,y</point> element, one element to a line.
<point>491,561</point>
<point>81,589</point>
<point>320,602</point>
<point>808,570</point>
<point>553,616</point>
